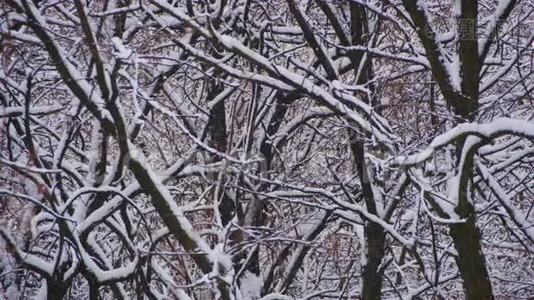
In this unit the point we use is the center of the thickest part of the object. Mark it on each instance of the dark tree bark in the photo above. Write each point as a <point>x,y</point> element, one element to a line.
<point>464,103</point>
<point>375,236</point>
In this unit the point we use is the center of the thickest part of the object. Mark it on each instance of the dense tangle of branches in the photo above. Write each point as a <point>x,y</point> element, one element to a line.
<point>251,149</point>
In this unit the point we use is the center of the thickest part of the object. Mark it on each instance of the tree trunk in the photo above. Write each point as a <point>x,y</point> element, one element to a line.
<point>375,236</point>
<point>55,290</point>
<point>466,237</point>
<point>372,276</point>
<point>470,260</point>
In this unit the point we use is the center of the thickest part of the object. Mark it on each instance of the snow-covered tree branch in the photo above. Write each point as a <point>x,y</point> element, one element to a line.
<point>284,149</point>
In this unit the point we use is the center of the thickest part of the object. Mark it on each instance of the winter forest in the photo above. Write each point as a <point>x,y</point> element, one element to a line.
<point>266,149</point>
